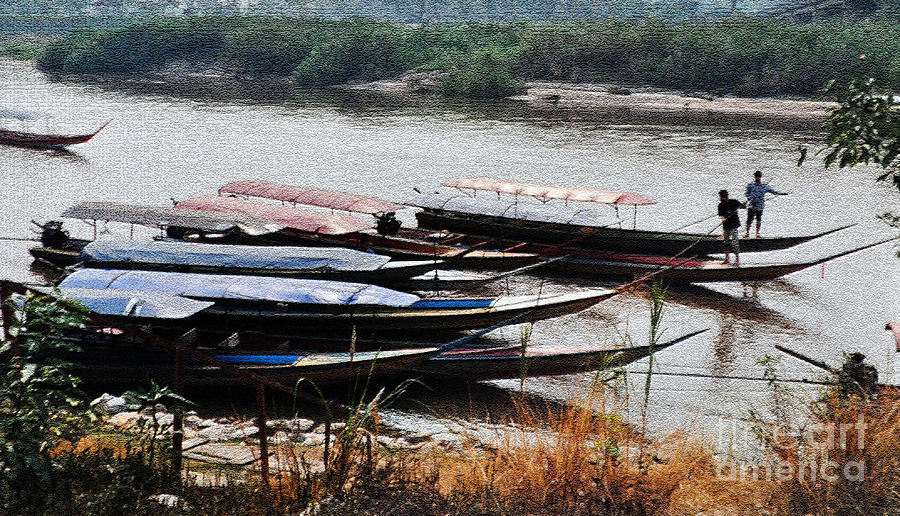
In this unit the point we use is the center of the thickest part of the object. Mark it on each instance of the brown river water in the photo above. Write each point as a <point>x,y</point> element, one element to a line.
<point>166,142</point>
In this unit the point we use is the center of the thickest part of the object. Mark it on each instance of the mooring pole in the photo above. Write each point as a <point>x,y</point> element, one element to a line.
<point>263,433</point>
<point>178,421</point>
<point>5,310</point>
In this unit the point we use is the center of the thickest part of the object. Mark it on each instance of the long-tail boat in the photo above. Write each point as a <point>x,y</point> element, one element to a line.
<point>473,363</point>
<point>326,263</point>
<point>44,141</point>
<point>303,227</point>
<point>688,270</point>
<point>467,213</point>
<point>59,249</point>
<point>303,306</point>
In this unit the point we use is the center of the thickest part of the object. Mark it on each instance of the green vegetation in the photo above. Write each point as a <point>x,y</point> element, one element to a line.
<point>20,49</point>
<point>738,55</point>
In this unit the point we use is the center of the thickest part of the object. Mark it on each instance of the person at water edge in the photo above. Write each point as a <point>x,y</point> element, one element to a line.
<point>756,197</point>
<point>731,222</point>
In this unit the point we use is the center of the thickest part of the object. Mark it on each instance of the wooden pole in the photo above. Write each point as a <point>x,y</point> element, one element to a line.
<point>6,311</point>
<point>263,433</point>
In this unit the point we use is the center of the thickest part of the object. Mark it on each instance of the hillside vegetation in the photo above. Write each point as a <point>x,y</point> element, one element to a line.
<point>737,55</point>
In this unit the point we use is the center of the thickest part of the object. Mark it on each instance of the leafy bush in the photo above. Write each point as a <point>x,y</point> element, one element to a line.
<point>40,404</point>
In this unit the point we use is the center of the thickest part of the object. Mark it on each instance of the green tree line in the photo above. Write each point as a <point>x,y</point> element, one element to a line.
<point>744,56</point>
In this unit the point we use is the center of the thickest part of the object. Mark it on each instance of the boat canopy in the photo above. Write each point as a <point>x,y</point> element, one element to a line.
<point>165,216</point>
<point>237,256</point>
<point>311,197</point>
<point>559,214</point>
<point>307,221</point>
<point>547,192</point>
<point>153,305</point>
<point>248,288</point>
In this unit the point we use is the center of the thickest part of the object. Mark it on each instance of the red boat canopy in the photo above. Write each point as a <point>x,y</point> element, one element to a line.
<point>547,192</point>
<point>308,221</point>
<point>310,197</point>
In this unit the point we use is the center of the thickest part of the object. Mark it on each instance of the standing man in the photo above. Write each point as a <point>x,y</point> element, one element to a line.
<point>731,222</point>
<point>756,197</point>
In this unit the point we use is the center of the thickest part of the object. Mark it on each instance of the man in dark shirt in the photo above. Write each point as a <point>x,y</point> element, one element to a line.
<point>731,222</point>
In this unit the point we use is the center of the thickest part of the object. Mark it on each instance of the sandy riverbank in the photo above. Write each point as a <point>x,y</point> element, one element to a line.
<point>633,105</point>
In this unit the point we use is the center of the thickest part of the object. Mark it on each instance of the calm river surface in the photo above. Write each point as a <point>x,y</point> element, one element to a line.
<point>161,146</point>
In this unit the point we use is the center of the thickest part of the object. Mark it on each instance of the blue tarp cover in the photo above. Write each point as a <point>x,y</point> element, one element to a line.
<point>153,305</point>
<point>524,209</point>
<point>244,256</point>
<point>208,286</point>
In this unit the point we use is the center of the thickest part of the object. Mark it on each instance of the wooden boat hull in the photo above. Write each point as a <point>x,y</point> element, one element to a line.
<point>707,272</point>
<point>43,141</point>
<point>388,276</point>
<point>60,256</point>
<point>271,320</point>
<point>599,238</point>
<point>502,363</point>
<point>126,365</point>
<point>412,245</point>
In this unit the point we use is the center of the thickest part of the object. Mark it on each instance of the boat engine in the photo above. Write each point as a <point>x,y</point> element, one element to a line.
<point>387,224</point>
<point>53,235</point>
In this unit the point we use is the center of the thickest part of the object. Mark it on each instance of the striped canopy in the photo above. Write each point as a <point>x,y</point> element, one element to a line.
<point>311,197</point>
<point>307,221</point>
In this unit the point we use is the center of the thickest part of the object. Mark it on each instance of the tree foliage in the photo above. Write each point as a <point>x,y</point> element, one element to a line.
<point>40,404</point>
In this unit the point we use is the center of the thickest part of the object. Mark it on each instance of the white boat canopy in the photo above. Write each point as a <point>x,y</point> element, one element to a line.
<point>167,216</point>
<point>548,192</point>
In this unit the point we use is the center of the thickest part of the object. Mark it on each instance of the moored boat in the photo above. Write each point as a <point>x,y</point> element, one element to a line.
<point>44,141</point>
<point>510,362</point>
<point>689,270</point>
<point>59,249</point>
<point>514,222</point>
<point>287,306</point>
<point>331,263</point>
<point>315,228</point>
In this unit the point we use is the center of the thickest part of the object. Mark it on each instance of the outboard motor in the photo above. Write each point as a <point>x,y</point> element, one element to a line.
<point>53,235</point>
<point>387,224</point>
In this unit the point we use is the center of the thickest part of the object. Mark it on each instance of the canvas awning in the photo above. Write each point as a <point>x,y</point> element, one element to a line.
<point>166,216</point>
<point>455,202</point>
<point>248,288</point>
<point>236,256</point>
<point>311,197</point>
<point>547,192</point>
<point>307,221</point>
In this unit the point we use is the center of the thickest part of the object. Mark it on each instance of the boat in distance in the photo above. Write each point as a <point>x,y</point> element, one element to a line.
<point>302,306</point>
<point>480,217</point>
<point>44,141</point>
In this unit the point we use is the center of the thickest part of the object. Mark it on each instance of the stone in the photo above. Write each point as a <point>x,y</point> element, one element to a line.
<point>167,500</point>
<point>110,404</point>
<point>215,433</point>
<point>236,455</point>
<point>243,432</point>
<point>335,428</point>
<point>300,425</point>
<point>279,438</point>
<point>124,420</point>
<point>163,419</point>
<point>193,443</point>
<point>192,421</point>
